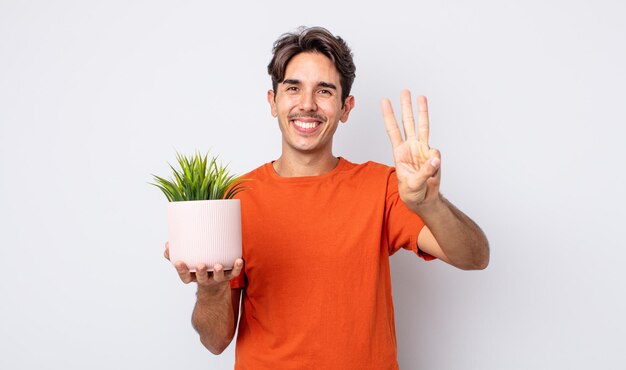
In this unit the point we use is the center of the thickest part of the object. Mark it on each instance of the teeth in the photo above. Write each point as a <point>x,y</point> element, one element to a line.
<point>305,125</point>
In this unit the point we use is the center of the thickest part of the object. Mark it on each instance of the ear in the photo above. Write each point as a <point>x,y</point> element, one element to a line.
<point>271,98</point>
<point>347,107</point>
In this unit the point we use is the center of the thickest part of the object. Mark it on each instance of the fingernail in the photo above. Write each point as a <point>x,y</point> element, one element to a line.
<point>435,162</point>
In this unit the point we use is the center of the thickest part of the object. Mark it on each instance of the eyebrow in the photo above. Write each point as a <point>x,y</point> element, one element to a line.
<point>327,84</point>
<point>320,84</point>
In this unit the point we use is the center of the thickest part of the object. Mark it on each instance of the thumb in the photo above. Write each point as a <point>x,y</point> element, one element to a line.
<point>426,171</point>
<point>166,254</point>
<point>432,165</point>
<point>435,166</point>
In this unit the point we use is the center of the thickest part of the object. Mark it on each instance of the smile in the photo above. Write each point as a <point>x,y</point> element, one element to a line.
<point>305,125</point>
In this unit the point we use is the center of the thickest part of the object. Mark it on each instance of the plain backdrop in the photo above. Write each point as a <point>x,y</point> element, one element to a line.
<point>527,105</point>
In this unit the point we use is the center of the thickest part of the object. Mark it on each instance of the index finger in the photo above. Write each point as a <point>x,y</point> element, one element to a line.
<point>423,125</point>
<point>390,123</point>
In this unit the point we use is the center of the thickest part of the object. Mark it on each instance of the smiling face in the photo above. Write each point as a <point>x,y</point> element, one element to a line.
<point>308,104</point>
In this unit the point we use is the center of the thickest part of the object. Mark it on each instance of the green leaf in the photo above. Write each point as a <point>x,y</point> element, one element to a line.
<point>199,178</point>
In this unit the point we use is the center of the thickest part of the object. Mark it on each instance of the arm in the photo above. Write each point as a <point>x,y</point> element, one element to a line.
<point>450,235</point>
<point>216,311</point>
<point>459,242</point>
<point>215,316</point>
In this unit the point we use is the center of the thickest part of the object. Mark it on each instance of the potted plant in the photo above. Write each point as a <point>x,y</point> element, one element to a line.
<point>204,221</point>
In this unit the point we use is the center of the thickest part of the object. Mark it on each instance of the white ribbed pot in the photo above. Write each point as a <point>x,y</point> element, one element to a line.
<point>205,231</point>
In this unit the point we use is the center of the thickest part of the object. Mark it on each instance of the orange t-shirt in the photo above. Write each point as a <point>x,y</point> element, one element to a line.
<point>317,285</point>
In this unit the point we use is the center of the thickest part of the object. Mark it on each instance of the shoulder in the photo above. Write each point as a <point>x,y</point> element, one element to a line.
<point>369,177</point>
<point>375,177</point>
<point>253,180</point>
<point>258,173</point>
<point>367,169</point>
<point>255,172</point>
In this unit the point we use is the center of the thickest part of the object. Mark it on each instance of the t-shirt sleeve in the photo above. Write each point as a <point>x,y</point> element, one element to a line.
<point>238,282</point>
<point>403,226</point>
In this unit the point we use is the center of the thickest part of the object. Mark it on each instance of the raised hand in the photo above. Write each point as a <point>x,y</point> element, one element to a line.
<point>417,164</point>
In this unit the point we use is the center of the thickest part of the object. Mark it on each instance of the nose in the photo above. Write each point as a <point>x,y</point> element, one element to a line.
<point>307,102</point>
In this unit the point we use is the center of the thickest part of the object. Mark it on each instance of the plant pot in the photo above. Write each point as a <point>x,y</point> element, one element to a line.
<point>205,231</point>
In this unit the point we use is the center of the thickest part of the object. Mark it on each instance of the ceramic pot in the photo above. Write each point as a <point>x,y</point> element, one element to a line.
<point>205,231</point>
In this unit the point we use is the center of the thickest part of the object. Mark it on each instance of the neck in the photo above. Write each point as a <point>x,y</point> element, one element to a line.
<point>304,165</point>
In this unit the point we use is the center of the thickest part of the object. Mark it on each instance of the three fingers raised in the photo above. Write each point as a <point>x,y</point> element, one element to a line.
<point>408,120</point>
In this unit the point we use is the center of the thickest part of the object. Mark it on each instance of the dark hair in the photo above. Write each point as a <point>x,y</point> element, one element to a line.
<point>314,39</point>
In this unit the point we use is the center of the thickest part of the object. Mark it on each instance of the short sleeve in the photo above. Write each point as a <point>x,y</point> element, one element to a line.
<point>238,282</point>
<point>402,225</point>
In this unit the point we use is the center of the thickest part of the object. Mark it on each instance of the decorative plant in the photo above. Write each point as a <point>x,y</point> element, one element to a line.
<point>199,178</point>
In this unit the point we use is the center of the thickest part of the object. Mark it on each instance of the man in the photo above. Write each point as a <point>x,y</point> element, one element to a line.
<point>319,230</point>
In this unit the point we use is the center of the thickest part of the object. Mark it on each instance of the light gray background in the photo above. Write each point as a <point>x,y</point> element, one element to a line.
<point>527,107</point>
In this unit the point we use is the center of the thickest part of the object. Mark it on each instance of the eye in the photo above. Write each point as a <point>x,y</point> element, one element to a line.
<point>325,92</point>
<point>291,88</point>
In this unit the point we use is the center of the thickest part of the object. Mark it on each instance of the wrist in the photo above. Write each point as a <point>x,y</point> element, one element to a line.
<point>212,291</point>
<point>430,206</point>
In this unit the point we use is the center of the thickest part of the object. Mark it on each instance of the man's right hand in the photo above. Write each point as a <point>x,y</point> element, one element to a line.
<point>202,275</point>
<point>216,311</point>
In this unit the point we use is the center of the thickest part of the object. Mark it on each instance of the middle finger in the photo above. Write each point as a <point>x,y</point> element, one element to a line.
<point>408,120</point>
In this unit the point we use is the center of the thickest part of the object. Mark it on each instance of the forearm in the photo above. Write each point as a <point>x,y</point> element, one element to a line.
<point>461,240</point>
<point>214,318</point>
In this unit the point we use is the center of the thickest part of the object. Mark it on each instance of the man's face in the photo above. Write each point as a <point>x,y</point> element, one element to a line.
<point>308,104</point>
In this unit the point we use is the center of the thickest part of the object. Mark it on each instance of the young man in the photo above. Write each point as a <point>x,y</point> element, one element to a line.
<point>319,230</point>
